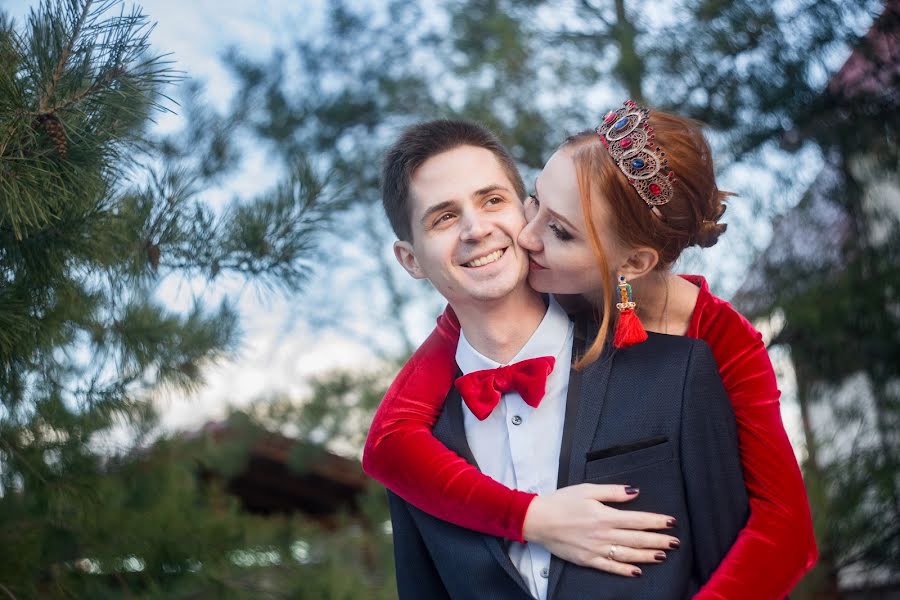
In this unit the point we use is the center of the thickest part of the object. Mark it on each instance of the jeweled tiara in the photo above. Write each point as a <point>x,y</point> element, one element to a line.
<point>627,135</point>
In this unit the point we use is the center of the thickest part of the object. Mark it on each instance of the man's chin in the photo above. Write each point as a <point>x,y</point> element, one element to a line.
<point>494,294</point>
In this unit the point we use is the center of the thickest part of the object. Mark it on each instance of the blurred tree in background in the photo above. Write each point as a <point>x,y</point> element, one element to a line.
<point>761,75</point>
<point>93,215</point>
<point>831,276</point>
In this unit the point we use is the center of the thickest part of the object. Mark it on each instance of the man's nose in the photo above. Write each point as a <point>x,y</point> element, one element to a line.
<point>475,226</point>
<point>529,239</point>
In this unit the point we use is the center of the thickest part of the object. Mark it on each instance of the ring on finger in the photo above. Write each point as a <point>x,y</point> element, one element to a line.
<point>611,554</point>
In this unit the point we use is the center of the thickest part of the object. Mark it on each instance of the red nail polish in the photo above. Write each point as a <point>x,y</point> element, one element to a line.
<point>636,573</point>
<point>631,491</point>
<point>660,556</point>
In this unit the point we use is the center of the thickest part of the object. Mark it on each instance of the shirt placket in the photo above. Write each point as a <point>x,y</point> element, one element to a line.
<point>522,444</point>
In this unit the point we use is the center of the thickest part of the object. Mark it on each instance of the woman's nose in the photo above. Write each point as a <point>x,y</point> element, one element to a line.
<point>529,239</point>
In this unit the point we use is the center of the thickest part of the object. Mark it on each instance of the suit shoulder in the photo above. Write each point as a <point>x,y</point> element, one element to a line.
<point>659,344</point>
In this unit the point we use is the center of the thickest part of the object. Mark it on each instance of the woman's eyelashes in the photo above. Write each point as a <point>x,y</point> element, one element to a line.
<point>560,233</point>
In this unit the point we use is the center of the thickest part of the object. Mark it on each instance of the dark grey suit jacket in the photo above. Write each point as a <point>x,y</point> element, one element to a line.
<point>655,416</point>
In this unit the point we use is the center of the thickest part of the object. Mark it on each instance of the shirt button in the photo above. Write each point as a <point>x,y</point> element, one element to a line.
<point>517,420</point>
<point>545,572</point>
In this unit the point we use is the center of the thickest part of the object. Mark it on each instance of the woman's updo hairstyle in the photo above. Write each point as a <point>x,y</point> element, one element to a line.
<point>690,218</point>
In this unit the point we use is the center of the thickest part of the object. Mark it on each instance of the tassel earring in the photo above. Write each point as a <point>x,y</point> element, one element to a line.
<point>629,329</point>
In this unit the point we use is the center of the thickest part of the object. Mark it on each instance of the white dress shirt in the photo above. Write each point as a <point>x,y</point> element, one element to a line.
<point>519,445</point>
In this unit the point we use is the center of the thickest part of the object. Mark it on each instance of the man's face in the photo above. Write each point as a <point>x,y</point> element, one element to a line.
<point>465,218</point>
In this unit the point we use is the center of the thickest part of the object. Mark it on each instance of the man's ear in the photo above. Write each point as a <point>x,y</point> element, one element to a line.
<point>640,262</point>
<point>406,256</point>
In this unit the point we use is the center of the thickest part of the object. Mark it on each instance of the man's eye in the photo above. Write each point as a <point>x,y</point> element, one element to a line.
<point>494,200</point>
<point>532,206</point>
<point>443,218</point>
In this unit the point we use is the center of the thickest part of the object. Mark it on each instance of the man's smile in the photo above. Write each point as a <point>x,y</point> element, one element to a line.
<point>485,259</point>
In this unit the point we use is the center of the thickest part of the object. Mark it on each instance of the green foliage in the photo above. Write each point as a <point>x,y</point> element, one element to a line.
<point>87,235</point>
<point>163,532</point>
<point>84,103</point>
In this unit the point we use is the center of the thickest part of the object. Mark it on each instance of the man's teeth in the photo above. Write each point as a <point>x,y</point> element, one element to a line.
<point>485,260</point>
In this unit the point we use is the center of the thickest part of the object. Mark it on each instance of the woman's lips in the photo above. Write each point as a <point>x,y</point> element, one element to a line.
<point>535,266</point>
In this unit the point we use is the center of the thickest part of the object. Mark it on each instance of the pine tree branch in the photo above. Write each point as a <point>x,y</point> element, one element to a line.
<point>64,58</point>
<point>95,87</point>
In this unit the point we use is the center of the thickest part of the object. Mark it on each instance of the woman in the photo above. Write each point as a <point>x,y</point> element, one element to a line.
<point>605,203</point>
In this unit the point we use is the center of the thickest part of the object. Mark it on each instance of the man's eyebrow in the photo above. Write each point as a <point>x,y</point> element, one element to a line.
<point>435,208</point>
<point>494,187</point>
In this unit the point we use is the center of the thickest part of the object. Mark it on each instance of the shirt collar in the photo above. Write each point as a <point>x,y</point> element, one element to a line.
<point>547,340</point>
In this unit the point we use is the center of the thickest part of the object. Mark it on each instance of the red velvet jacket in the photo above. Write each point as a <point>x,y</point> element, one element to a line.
<point>772,552</point>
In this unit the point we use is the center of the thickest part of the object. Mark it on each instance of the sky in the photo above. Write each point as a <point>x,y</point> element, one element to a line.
<point>280,349</point>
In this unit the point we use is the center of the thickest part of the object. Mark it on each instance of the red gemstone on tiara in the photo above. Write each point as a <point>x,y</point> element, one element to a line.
<point>625,142</point>
<point>671,175</point>
<point>610,117</point>
<point>655,189</point>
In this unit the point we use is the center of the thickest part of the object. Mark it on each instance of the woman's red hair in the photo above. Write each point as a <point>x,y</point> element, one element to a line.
<point>689,218</point>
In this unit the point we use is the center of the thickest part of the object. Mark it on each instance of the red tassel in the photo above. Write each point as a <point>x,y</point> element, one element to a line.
<point>629,329</point>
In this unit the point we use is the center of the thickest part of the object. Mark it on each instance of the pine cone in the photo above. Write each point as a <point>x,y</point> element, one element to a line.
<point>54,128</point>
<point>153,255</point>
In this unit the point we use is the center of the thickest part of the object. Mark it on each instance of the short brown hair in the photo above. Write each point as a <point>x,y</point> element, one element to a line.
<point>689,219</point>
<point>423,141</point>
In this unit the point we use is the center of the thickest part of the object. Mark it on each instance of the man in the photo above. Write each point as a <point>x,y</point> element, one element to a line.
<point>453,197</point>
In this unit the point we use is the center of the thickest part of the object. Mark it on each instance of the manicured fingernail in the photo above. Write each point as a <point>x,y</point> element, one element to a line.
<point>660,556</point>
<point>636,573</point>
<point>631,491</point>
<point>674,544</point>
<point>671,523</point>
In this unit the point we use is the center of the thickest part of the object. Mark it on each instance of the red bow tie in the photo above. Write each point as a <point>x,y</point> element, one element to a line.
<point>481,390</point>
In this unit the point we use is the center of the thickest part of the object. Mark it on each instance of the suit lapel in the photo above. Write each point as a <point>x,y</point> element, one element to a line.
<point>452,432</point>
<point>572,396</point>
<point>584,404</point>
<point>594,381</point>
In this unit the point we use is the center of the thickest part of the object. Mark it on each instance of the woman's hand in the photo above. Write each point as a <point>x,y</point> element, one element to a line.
<point>575,525</point>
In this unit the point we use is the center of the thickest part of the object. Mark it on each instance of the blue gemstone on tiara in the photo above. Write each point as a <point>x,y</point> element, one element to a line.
<point>621,123</point>
<point>637,163</point>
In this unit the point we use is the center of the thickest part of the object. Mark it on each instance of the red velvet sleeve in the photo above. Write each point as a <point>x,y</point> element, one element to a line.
<point>402,453</point>
<point>777,545</point>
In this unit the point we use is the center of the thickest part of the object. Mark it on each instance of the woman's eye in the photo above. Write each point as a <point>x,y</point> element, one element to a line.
<point>532,199</point>
<point>560,233</point>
